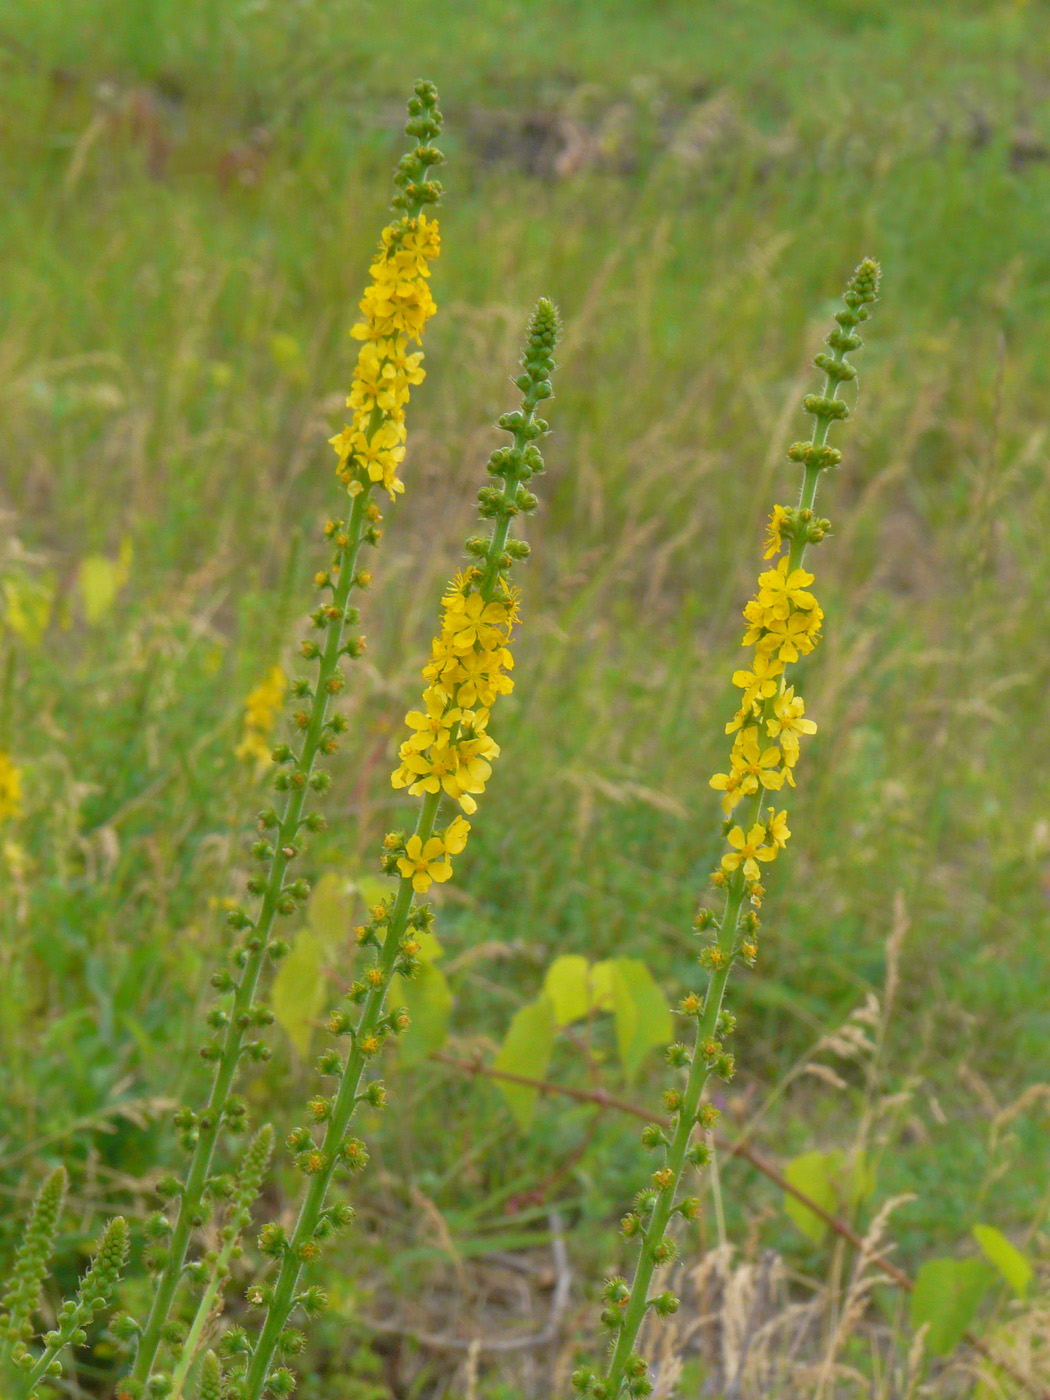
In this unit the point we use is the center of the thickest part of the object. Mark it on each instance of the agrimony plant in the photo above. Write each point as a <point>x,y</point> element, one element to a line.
<point>395,309</point>
<point>447,758</point>
<point>783,624</point>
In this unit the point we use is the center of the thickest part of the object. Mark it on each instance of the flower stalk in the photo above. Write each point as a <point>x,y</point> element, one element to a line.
<point>449,755</point>
<point>783,624</point>
<point>395,309</point>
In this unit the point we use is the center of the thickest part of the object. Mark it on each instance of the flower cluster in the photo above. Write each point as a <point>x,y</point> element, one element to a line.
<point>396,306</point>
<point>261,709</point>
<point>395,309</point>
<point>783,624</point>
<point>450,750</point>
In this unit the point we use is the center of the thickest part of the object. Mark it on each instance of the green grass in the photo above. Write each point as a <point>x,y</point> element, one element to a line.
<point>193,192</point>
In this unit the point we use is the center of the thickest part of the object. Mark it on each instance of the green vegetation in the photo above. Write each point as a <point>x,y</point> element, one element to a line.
<point>192,196</point>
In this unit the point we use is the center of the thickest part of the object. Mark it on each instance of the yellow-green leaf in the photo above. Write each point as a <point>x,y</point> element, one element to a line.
<point>568,985</point>
<point>813,1174</point>
<point>27,606</point>
<point>329,910</point>
<point>643,1020</point>
<point>1007,1258</point>
<point>946,1295</point>
<point>299,991</point>
<point>428,999</point>
<point>602,985</point>
<point>526,1051</point>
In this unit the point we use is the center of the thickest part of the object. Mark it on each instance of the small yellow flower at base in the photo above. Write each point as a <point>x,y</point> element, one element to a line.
<point>423,864</point>
<point>775,527</point>
<point>10,787</point>
<point>748,851</point>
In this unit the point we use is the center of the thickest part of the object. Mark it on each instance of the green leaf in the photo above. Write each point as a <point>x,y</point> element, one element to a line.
<point>373,888</point>
<point>602,985</point>
<point>428,999</point>
<point>1007,1258</point>
<point>946,1295</point>
<point>568,985</point>
<point>429,947</point>
<point>643,1020</point>
<point>329,909</point>
<point>527,1051</point>
<point>814,1174</point>
<point>298,994</point>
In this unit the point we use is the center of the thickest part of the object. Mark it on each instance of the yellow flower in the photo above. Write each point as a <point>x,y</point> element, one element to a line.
<point>778,589</point>
<point>454,837</point>
<point>761,681</point>
<point>10,787</point>
<point>435,723</point>
<point>753,766</point>
<point>792,636</point>
<point>423,864</point>
<point>473,620</point>
<point>778,828</point>
<point>261,709</point>
<point>729,784</point>
<point>747,851</point>
<point>787,723</point>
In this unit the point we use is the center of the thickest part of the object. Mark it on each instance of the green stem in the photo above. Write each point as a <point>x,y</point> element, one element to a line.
<point>655,1230</point>
<point>210,1122</point>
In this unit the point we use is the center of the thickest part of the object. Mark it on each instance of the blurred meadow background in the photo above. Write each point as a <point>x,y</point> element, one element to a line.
<point>192,191</point>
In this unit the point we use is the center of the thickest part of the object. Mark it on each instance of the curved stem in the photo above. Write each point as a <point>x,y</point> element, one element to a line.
<point>283,1297</point>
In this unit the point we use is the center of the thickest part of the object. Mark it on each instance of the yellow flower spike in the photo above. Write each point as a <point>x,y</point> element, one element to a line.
<point>783,623</point>
<point>261,709</point>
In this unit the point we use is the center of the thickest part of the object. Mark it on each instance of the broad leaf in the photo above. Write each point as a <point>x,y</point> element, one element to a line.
<point>568,985</point>
<point>946,1295</point>
<point>526,1051</point>
<point>643,1020</point>
<point>329,910</point>
<point>298,993</point>
<point>428,1000</point>
<point>1007,1258</point>
<point>813,1173</point>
